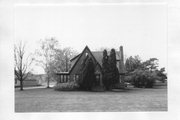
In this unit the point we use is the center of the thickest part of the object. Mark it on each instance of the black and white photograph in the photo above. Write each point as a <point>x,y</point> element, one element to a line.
<point>91,58</point>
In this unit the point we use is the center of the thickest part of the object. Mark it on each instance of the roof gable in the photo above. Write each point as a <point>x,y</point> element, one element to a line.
<point>77,58</point>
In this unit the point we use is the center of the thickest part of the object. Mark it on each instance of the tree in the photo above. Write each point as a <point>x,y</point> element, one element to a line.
<point>22,63</point>
<point>151,64</point>
<point>144,74</point>
<point>133,63</point>
<point>161,74</point>
<point>62,59</point>
<point>105,69</point>
<point>88,78</point>
<point>53,59</point>
<point>113,75</point>
<point>45,56</point>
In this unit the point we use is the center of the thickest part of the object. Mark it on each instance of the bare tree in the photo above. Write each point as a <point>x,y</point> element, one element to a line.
<point>62,59</point>
<point>53,59</point>
<point>45,56</point>
<point>22,64</point>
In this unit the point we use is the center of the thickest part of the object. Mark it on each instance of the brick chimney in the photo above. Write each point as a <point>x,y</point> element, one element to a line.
<point>121,65</point>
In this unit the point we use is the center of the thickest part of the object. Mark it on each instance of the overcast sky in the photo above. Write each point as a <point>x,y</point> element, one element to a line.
<point>141,29</point>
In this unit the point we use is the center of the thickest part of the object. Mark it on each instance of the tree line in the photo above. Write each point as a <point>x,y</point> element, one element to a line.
<point>50,56</point>
<point>143,73</point>
<point>53,59</point>
<point>110,73</point>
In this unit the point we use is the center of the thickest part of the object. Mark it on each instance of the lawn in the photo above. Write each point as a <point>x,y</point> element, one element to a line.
<point>48,100</point>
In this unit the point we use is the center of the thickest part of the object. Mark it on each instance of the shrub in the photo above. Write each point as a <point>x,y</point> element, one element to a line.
<point>144,74</point>
<point>66,86</point>
<point>143,78</point>
<point>98,89</point>
<point>119,86</point>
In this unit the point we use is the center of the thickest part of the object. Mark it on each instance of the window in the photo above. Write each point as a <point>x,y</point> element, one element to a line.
<point>64,78</point>
<point>97,77</point>
<point>61,78</point>
<point>74,78</point>
<point>77,77</point>
<point>68,77</point>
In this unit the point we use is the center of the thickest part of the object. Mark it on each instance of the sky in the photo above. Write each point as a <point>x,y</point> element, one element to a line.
<point>140,28</point>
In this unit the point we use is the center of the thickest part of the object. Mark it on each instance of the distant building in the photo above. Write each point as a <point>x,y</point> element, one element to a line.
<point>75,72</point>
<point>31,80</point>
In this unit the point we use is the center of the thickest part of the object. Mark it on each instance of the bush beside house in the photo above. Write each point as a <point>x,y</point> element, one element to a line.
<point>68,86</point>
<point>143,74</point>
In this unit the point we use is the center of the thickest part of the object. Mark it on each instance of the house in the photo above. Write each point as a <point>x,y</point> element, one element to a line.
<point>31,80</point>
<point>77,62</point>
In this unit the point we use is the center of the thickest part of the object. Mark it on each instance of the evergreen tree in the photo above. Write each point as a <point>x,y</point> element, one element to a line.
<point>105,70</point>
<point>113,75</point>
<point>89,78</point>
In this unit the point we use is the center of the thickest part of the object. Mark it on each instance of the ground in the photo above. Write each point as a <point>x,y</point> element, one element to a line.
<point>48,100</point>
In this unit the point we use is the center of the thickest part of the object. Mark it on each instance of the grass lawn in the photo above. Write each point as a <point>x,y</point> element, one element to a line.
<point>48,100</point>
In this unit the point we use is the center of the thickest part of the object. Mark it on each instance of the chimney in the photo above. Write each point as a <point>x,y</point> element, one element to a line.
<point>121,63</point>
<point>122,54</point>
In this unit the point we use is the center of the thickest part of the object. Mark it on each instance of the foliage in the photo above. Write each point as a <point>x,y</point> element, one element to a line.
<point>22,63</point>
<point>52,58</point>
<point>132,63</point>
<point>143,74</point>
<point>66,86</point>
<point>62,59</point>
<point>45,56</point>
<point>119,86</point>
<point>113,73</point>
<point>98,88</point>
<point>89,78</point>
<point>162,76</point>
<point>143,78</point>
<point>109,69</point>
<point>150,64</point>
<point>105,69</point>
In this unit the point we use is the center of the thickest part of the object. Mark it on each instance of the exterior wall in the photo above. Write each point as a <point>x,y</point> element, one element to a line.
<point>117,65</point>
<point>76,70</point>
<point>121,65</point>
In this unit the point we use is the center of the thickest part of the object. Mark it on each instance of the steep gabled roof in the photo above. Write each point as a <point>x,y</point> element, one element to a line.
<point>79,56</point>
<point>98,55</point>
<point>75,57</point>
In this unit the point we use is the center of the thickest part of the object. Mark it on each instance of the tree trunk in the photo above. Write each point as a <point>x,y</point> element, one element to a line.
<point>48,83</point>
<point>21,85</point>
